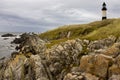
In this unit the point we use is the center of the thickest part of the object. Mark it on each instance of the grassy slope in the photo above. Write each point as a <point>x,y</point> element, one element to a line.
<point>92,31</point>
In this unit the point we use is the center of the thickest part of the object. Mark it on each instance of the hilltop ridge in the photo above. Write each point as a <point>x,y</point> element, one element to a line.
<point>86,31</point>
<point>91,31</point>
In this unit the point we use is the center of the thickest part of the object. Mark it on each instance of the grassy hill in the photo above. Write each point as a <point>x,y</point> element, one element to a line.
<point>92,31</point>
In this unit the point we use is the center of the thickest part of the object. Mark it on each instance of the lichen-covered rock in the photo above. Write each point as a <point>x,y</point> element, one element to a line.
<point>31,43</point>
<point>3,66</point>
<point>12,68</point>
<point>63,56</point>
<point>23,68</point>
<point>101,44</point>
<point>95,64</point>
<point>113,51</point>
<point>117,60</point>
<point>115,68</point>
<point>89,76</point>
<point>39,68</point>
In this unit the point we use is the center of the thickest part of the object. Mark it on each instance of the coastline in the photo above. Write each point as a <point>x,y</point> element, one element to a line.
<point>6,48</point>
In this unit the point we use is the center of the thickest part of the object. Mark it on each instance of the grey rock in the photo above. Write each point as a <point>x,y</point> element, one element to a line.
<point>31,43</point>
<point>95,64</point>
<point>64,56</point>
<point>101,44</point>
<point>115,77</point>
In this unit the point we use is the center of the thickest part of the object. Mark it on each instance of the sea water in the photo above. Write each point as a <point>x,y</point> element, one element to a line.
<point>6,48</point>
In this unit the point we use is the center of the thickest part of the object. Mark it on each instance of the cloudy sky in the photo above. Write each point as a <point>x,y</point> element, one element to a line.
<point>43,15</point>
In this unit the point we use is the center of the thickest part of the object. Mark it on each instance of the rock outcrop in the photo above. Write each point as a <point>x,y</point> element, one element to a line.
<point>70,60</point>
<point>101,63</point>
<point>63,57</point>
<point>27,63</point>
<point>96,64</point>
<point>99,45</point>
<point>30,43</point>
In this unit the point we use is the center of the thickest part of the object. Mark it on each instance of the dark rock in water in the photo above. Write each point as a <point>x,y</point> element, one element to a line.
<point>21,39</point>
<point>2,58</point>
<point>17,41</point>
<point>6,38</point>
<point>8,35</point>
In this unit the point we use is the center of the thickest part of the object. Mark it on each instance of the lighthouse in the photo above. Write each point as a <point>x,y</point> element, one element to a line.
<point>104,11</point>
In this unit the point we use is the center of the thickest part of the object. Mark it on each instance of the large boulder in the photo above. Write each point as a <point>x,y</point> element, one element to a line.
<point>115,68</point>
<point>23,68</point>
<point>97,64</point>
<point>101,44</point>
<point>3,66</point>
<point>12,68</point>
<point>113,51</point>
<point>39,68</point>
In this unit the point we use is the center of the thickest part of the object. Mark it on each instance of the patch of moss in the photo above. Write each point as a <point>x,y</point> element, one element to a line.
<point>11,74</point>
<point>22,72</point>
<point>28,54</point>
<point>53,42</point>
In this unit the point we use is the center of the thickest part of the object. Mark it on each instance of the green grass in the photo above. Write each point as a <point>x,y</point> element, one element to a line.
<point>53,42</point>
<point>103,32</point>
<point>92,31</point>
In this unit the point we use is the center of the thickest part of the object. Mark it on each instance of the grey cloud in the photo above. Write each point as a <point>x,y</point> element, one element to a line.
<point>42,15</point>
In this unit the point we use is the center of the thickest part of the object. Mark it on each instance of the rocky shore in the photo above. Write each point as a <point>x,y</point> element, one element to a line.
<point>70,60</point>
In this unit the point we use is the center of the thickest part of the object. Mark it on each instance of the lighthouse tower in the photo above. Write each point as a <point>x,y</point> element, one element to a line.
<point>104,9</point>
